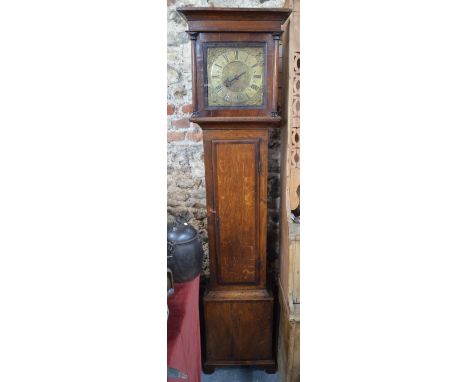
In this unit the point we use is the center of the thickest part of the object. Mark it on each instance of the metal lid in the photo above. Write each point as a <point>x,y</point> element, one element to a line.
<point>180,232</point>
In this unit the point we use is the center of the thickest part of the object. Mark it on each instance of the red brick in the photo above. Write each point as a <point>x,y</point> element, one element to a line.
<point>187,109</point>
<point>175,136</point>
<point>170,109</point>
<point>183,123</point>
<point>196,136</point>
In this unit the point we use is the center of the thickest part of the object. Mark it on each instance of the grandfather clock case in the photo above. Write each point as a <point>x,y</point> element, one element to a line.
<point>235,102</point>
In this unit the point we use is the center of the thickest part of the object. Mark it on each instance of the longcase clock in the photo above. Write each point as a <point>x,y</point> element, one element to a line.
<point>235,102</point>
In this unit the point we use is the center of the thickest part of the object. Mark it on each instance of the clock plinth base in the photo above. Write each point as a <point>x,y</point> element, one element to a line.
<point>239,329</point>
<point>269,366</point>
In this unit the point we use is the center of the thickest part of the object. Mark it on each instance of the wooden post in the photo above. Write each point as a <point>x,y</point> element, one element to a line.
<point>193,38</point>
<point>274,95</point>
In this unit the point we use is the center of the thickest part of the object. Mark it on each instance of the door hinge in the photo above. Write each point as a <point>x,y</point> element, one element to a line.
<point>260,167</point>
<point>216,216</point>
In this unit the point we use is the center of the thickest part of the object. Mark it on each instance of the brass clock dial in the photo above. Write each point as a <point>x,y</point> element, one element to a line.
<point>235,76</point>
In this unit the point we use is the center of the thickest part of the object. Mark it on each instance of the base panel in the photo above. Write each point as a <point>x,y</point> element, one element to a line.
<point>239,332</point>
<point>268,365</point>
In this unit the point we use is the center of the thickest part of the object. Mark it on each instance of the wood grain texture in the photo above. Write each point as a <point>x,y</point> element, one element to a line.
<point>237,207</point>
<point>234,19</point>
<point>231,123</point>
<point>235,164</point>
<point>239,331</point>
<point>238,309</point>
<point>238,295</point>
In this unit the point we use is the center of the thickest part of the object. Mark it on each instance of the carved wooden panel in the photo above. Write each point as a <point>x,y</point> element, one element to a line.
<point>289,286</point>
<point>295,114</point>
<point>235,172</point>
<point>295,110</point>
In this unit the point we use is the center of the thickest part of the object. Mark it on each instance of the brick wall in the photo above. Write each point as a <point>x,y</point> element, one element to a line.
<point>185,168</point>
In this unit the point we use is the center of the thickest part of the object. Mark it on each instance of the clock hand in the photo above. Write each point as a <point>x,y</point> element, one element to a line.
<point>238,76</point>
<point>228,83</point>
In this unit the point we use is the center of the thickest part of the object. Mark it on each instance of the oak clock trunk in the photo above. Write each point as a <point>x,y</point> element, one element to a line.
<point>235,102</point>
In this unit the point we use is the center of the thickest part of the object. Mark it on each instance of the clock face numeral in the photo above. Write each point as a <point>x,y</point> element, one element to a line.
<point>235,75</point>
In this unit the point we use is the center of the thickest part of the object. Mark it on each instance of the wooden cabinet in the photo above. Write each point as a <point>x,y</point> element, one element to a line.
<point>235,102</point>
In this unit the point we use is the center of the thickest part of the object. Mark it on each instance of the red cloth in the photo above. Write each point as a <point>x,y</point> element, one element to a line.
<point>183,330</point>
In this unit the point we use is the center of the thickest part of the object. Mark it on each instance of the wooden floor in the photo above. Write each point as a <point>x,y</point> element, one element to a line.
<point>240,374</point>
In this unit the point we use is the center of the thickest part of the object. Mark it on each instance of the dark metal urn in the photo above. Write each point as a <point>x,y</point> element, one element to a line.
<point>184,251</point>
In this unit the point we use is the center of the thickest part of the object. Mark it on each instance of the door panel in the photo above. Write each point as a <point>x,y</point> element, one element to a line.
<point>240,330</point>
<point>236,203</point>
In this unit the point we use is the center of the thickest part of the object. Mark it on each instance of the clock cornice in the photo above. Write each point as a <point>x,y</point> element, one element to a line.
<point>216,19</point>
